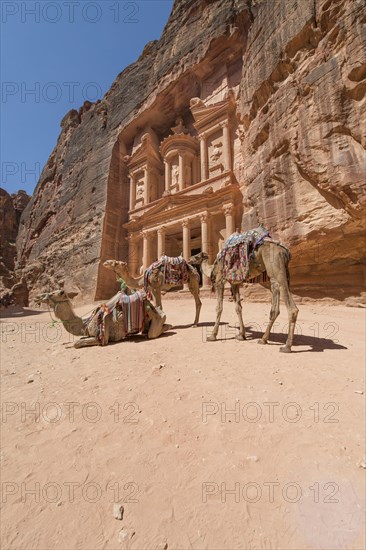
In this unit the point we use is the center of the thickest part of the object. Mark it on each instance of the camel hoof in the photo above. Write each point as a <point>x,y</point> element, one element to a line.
<point>211,338</point>
<point>262,341</point>
<point>240,337</point>
<point>285,349</point>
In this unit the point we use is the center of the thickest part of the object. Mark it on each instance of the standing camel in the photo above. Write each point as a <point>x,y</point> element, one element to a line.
<point>106,323</point>
<point>269,257</point>
<point>154,278</point>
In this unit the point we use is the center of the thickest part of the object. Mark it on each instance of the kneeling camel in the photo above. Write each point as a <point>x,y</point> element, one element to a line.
<point>114,323</point>
<point>155,280</point>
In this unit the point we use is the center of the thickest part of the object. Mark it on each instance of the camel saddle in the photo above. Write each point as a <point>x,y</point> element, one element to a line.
<point>238,252</point>
<point>176,271</point>
<point>132,308</point>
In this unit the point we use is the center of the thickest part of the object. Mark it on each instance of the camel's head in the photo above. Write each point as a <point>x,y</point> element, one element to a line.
<point>197,259</point>
<point>115,265</point>
<point>55,297</point>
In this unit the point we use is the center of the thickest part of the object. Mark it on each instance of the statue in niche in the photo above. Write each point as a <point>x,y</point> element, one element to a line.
<point>140,191</point>
<point>179,128</point>
<point>216,152</point>
<point>188,173</point>
<point>175,175</point>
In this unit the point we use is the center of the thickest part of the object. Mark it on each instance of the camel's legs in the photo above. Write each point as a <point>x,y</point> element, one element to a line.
<point>156,290</point>
<point>236,295</point>
<point>292,316</point>
<point>86,342</point>
<point>194,289</point>
<point>219,308</point>
<point>276,263</point>
<point>275,310</point>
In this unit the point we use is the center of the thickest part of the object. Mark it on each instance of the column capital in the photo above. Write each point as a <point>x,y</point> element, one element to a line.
<point>204,217</point>
<point>203,136</point>
<point>132,237</point>
<point>185,223</point>
<point>146,235</point>
<point>161,230</point>
<point>228,209</point>
<point>224,124</point>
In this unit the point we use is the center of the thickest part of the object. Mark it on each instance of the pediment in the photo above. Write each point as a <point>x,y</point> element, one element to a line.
<point>164,204</point>
<point>146,152</point>
<point>204,115</point>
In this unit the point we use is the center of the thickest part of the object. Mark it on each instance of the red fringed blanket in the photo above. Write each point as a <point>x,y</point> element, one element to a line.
<point>175,271</point>
<point>237,251</point>
<point>132,308</point>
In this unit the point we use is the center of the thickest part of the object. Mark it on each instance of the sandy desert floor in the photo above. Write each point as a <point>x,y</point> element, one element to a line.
<point>221,445</point>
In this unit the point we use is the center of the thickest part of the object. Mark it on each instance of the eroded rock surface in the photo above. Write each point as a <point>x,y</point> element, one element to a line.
<point>303,110</point>
<point>11,209</point>
<point>301,167</point>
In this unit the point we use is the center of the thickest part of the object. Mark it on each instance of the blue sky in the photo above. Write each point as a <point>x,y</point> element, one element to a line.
<point>54,55</point>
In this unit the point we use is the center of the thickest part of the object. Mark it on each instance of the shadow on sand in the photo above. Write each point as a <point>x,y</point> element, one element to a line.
<point>190,325</point>
<point>16,312</point>
<point>278,338</point>
<point>137,339</point>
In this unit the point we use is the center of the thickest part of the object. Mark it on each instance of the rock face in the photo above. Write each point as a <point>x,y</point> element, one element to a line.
<point>301,167</point>
<point>303,109</point>
<point>11,209</point>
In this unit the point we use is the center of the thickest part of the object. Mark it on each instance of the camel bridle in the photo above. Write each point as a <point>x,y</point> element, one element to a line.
<point>48,298</point>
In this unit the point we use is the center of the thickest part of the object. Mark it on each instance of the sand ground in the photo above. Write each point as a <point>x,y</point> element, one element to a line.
<point>221,445</point>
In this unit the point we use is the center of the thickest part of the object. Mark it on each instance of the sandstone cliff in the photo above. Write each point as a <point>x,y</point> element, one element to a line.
<point>302,166</point>
<point>75,217</point>
<point>303,109</point>
<point>11,209</point>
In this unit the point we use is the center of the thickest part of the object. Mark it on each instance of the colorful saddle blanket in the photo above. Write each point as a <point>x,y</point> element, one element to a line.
<point>237,251</point>
<point>132,308</point>
<point>175,271</point>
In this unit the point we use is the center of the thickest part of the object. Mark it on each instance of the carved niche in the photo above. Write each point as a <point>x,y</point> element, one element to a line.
<point>180,154</point>
<point>145,170</point>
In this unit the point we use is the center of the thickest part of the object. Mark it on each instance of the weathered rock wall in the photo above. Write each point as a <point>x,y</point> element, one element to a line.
<point>76,202</point>
<point>11,209</point>
<point>303,109</point>
<point>302,167</point>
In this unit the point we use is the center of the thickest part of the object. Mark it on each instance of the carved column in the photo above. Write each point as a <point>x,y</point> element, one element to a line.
<point>186,240</point>
<point>194,170</point>
<point>146,186</point>
<point>204,157</point>
<point>161,241</point>
<point>186,244</point>
<point>132,191</point>
<point>168,175</point>
<point>229,219</point>
<point>146,249</point>
<point>133,250</point>
<point>227,146</point>
<point>181,172</point>
<point>205,243</point>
